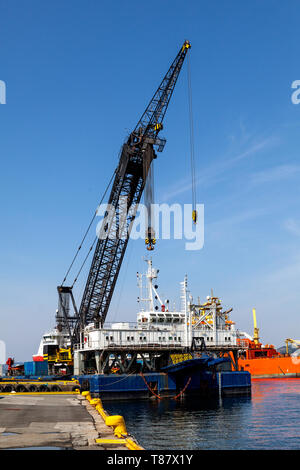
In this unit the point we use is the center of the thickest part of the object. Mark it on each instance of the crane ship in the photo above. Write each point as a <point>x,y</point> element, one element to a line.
<point>166,352</point>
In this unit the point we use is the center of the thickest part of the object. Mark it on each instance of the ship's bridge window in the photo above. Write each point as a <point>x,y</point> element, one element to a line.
<point>49,338</point>
<point>260,354</point>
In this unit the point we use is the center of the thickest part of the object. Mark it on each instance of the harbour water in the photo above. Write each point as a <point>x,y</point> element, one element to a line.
<point>269,419</point>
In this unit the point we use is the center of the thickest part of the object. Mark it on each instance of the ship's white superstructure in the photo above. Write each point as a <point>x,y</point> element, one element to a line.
<point>159,326</point>
<point>54,337</point>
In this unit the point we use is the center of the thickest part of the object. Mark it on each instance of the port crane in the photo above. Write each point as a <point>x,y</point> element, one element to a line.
<point>292,341</point>
<point>136,156</point>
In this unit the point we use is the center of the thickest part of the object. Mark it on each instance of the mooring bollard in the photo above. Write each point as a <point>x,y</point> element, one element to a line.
<point>118,423</point>
<point>87,395</point>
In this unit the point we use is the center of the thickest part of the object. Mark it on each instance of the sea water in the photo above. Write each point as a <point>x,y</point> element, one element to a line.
<point>268,419</point>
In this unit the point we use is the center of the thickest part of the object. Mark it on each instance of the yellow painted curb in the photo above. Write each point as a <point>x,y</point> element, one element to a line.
<point>129,443</point>
<point>117,422</point>
<point>39,393</point>
<point>39,382</point>
<point>101,412</point>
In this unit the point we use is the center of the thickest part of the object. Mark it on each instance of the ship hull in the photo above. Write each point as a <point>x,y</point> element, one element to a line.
<point>272,367</point>
<point>201,377</point>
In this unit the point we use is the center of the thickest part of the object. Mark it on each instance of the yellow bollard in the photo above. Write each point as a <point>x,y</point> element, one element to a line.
<point>98,403</point>
<point>118,423</point>
<point>95,401</point>
<point>87,395</point>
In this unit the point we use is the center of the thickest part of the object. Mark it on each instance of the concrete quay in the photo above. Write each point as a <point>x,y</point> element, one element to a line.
<point>66,422</point>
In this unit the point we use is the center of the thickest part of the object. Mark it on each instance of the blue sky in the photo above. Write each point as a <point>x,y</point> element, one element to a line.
<point>78,77</point>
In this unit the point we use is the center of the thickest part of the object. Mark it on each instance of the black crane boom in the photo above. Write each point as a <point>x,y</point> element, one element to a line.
<point>136,156</point>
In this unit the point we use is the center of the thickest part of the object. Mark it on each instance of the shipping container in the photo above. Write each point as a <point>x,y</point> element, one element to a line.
<point>39,368</point>
<point>3,369</point>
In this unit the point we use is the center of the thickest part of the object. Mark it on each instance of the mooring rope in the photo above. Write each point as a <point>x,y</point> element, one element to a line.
<point>158,396</point>
<point>117,381</point>
<point>184,389</point>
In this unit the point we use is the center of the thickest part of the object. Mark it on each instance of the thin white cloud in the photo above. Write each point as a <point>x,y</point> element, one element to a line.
<point>270,141</point>
<point>285,274</point>
<point>235,219</point>
<point>215,173</point>
<point>292,226</point>
<point>276,173</point>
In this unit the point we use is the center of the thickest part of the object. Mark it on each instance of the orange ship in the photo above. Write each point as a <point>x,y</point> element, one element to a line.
<point>264,361</point>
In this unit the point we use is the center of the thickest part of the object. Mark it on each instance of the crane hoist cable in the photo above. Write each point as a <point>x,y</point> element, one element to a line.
<point>148,170</point>
<point>192,150</point>
<point>85,235</point>
<point>84,261</point>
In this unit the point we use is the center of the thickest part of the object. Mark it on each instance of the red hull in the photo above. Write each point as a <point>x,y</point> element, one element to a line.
<point>264,361</point>
<point>37,358</point>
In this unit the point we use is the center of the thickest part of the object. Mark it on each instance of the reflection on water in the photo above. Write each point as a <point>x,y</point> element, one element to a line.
<point>269,419</point>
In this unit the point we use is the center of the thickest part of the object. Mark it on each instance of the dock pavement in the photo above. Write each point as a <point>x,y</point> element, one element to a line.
<point>52,421</point>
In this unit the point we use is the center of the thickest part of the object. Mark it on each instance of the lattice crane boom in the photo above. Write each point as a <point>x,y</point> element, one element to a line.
<point>136,156</point>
